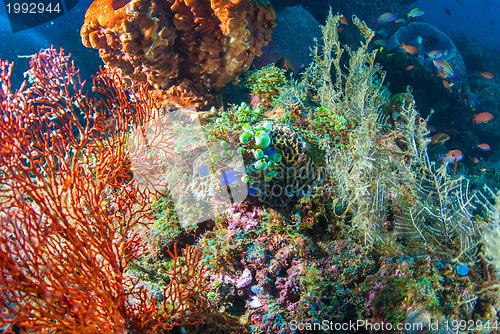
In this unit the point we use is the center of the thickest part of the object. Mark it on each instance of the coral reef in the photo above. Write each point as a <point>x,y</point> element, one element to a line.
<point>265,85</point>
<point>350,220</point>
<point>184,49</point>
<point>296,173</point>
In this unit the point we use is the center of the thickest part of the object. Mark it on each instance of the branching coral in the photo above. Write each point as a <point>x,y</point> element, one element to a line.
<point>265,84</point>
<point>352,93</point>
<point>183,48</point>
<point>70,206</point>
<point>492,234</point>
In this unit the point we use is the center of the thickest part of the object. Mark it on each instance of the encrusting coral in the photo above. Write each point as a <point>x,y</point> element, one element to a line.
<point>184,49</point>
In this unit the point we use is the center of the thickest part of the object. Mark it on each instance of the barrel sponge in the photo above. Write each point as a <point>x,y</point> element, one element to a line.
<point>426,38</point>
<point>184,48</point>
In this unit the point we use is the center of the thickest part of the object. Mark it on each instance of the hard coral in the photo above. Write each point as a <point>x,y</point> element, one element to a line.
<point>298,173</point>
<point>184,48</point>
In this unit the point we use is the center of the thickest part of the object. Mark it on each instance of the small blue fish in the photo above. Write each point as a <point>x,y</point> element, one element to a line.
<point>252,190</point>
<point>203,171</point>
<point>228,177</point>
<point>270,151</point>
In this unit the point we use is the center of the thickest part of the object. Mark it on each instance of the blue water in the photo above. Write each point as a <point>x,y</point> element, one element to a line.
<point>474,18</point>
<point>478,19</point>
<point>62,32</point>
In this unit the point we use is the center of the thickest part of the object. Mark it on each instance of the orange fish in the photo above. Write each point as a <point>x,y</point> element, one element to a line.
<point>451,156</point>
<point>475,160</point>
<point>410,67</point>
<point>483,170</point>
<point>439,138</point>
<point>343,20</point>
<point>448,85</point>
<point>483,117</point>
<point>409,48</point>
<point>484,147</point>
<point>487,75</point>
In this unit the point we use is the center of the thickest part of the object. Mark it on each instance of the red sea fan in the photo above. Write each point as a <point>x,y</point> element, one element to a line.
<point>69,207</point>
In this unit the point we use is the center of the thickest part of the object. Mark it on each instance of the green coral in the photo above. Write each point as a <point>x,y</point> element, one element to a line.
<point>266,83</point>
<point>235,119</point>
<point>262,139</point>
<point>165,225</point>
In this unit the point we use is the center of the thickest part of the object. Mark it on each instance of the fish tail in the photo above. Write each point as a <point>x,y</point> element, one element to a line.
<point>378,21</point>
<point>441,158</point>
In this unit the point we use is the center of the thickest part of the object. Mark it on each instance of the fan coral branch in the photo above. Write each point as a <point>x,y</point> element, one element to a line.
<point>69,205</point>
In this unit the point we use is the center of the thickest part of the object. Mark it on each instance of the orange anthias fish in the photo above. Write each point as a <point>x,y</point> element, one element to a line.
<point>440,138</point>
<point>343,20</point>
<point>484,147</point>
<point>451,156</point>
<point>409,67</point>
<point>487,75</point>
<point>483,117</point>
<point>448,85</point>
<point>409,48</point>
